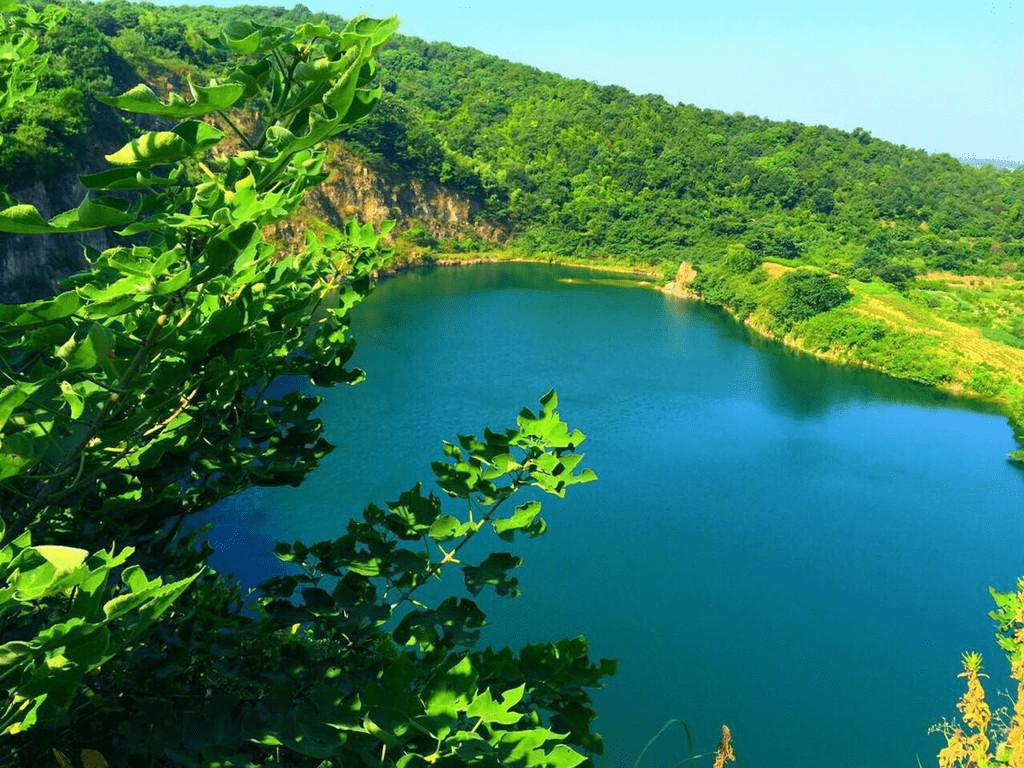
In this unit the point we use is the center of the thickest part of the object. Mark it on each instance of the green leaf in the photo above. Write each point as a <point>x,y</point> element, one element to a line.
<point>378,30</point>
<point>242,36</point>
<point>75,402</point>
<point>42,311</point>
<point>34,583</point>
<point>222,323</point>
<point>493,571</point>
<point>86,353</point>
<point>563,756</point>
<point>12,396</point>
<point>318,600</point>
<point>90,215</point>
<point>549,401</point>
<point>23,219</point>
<point>153,148</point>
<point>122,178</point>
<point>18,452</point>
<point>252,76</point>
<point>141,99</point>
<point>199,135</point>
<point>443,702</point>
<point>319,70</point>
<point>491,711</point>
<point>64,559</point>
<point>523,517</point>
<point>90,648</point>
<point>171,283</point>
<point>222,251</point>
<point>93,214</point>
<point>446,527</point>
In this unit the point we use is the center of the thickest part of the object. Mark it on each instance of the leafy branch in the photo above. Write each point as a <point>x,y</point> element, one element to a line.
<point>148,389</point>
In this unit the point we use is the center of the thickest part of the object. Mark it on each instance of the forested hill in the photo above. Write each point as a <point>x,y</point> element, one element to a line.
<point>586,171</point>
<point>574,167</point>
<point>590,169</point>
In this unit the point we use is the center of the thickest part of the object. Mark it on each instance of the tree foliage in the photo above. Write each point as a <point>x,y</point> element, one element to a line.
<point>583,169</point>
<point>806,293</point>
<point>150,388</point>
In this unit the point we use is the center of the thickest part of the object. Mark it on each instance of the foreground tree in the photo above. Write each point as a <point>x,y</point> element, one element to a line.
<point>144,393</point>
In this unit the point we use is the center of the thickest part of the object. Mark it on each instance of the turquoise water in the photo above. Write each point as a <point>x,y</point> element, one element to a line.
<point>796,549</point>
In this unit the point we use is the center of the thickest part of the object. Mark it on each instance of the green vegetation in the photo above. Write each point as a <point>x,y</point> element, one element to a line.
<point>594,173</point>
<point>150,387</point>
<point>153,386</point>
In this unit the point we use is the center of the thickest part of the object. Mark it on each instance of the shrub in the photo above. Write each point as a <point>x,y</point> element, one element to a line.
<point>805,294</point>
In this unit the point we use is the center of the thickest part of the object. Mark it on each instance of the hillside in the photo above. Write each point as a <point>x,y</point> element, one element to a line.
<point>551,166</point>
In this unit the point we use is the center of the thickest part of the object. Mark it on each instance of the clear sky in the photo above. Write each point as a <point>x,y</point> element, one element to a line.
<point>938,75</point>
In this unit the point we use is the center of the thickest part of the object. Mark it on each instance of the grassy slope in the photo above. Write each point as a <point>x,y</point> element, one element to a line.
<point>901,335</point>
<point>906,336</point>
<point>966,345</point>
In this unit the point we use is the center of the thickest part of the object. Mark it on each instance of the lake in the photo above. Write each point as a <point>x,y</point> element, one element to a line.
<point>797,549</point>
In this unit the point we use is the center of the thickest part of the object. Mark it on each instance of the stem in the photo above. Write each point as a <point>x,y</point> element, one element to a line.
<point>435,568</point>
<point>289,79</point>
<point>238,132</point>
<point>100,384</point>
<point>654,738</point>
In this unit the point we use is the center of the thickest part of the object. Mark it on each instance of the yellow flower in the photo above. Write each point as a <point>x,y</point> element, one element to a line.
<point>725,753</point>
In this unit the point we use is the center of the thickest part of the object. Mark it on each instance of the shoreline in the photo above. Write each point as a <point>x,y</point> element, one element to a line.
<point>652,275</point>
<point>677,287</point>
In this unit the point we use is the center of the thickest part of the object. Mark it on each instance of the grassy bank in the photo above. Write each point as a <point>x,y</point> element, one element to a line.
<point>954,333</point>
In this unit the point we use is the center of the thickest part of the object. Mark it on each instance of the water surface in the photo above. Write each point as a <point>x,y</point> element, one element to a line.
<point>797,549</point>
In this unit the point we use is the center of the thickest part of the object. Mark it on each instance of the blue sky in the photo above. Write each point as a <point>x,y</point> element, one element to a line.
<point>941,76</point>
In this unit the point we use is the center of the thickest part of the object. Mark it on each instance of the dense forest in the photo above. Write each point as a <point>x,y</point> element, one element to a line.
<point>153,384</point>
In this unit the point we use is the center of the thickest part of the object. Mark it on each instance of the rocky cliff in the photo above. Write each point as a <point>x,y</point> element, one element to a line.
<point>356,189</point>
<point>30,266</point>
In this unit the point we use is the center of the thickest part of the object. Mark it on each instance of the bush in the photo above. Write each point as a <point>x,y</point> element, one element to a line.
<point>740,259</point>
<point>897,275</point>
<point>806,294</point>
<point>863,275</point>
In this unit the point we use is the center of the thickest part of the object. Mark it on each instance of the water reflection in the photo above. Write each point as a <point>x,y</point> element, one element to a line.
<point>807,387</point>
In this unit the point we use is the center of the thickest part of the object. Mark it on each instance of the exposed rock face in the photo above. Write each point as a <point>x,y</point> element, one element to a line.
<point>356,190</point>
<point>681,285</point>
<point>30,265</point>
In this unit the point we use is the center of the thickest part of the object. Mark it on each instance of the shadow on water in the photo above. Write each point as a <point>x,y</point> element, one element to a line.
<point>242,538</point>
<point>808,387</point>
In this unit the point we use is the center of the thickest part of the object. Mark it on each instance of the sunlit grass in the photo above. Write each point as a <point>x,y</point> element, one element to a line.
<point>968,345</point>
